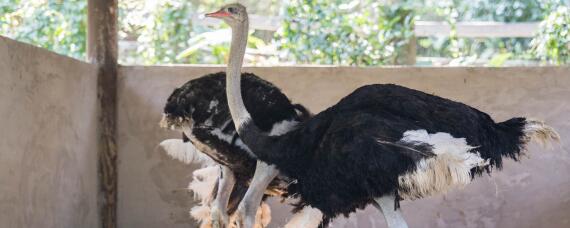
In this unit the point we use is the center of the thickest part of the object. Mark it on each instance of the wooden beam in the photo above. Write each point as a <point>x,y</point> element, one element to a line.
<point>257,22</point>
<point>411,51</point>
<point>102,50</point>
<point>477,29</point>
<point>481,29</point>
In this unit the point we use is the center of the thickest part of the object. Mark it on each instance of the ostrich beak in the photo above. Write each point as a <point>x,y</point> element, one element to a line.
<point>218,14</point>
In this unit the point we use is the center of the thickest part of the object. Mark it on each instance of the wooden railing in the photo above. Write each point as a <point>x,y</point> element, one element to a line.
<point>476,29</point>
<point>422,28</point>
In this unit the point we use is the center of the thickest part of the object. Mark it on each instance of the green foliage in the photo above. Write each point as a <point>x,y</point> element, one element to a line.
<point>504,10</point>
<point>466,49</point>
<point>165,32</point>
<point>56,25</point>
<point>217,42</point>
<point>314,31</point>
<point>355,33</point>
<point>552,42</point>
<point>159,30</point>
<point>500,59</point>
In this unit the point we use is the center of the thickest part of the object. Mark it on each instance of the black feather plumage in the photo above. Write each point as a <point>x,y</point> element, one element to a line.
<point>202,103</point>
<point>352,153</point>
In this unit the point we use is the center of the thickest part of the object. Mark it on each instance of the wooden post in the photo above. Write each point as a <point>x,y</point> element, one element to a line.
<point>102,50</point>
<point>411,52</point>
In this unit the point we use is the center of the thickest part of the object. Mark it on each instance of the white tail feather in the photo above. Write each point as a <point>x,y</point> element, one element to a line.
<point>202,214</point>
<point>184,152</point>
<point>202,185</point>
<point>450,167</point>
<point>538,131</point>
<point>203,182</point>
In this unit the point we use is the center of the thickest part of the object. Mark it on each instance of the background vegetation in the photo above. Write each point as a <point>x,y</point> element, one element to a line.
<point>364,32</point>
<point>50,24</point>
<point>336,32</point>
<point>552,43</point>
<point>466,51</point>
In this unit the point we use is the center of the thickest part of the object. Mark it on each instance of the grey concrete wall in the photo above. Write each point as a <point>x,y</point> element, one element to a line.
<point>533,193</point>
<point>48,154</point>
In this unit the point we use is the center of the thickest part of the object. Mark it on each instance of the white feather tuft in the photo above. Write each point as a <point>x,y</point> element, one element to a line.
<point>203,182</point>
<point>213,105</point>
<point>540,132</point>
<point>202,185</point>
<point>202,214</point>
<point>229,137</point>
<point>283,127</point>
<point>450,167</point>
<point>184,152</point>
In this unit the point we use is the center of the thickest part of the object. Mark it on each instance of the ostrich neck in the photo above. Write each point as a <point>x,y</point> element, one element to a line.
<point>239,113</point>
<point>251,135</point>
<point>259,142</point>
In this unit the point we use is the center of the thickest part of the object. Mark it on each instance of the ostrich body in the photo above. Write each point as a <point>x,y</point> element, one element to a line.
<point>379,144</point>
<point>199,110</point>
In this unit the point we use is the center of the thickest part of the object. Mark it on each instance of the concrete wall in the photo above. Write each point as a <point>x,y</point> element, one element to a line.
<point>48,142</point>
<point>48,153</point>
<point>533,193</point>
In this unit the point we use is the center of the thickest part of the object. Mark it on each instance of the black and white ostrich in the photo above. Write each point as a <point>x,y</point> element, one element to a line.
<point>199,110</point>
<point>378,145</point>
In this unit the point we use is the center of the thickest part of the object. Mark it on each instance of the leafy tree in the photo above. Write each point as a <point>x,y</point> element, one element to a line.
<point>495,49</point>
<point>314,31</point>
<point>160,30</point>
<point>165,31</point>
<point>56,25</point>
<point>552,42</point>
<point>335,32</point>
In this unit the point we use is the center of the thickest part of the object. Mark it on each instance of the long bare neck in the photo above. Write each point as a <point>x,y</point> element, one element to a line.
<point>258,141</point>
<point>239,113</point>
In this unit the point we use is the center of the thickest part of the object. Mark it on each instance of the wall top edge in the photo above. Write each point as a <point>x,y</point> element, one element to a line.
<point>208,66</point>
<point>14,44</point>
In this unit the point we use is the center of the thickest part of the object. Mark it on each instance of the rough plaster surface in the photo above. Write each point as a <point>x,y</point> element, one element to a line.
<point>48,154</point>
<point>533,193</point>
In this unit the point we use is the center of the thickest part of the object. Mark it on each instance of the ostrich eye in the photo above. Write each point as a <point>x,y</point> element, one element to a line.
<point>232,10</point>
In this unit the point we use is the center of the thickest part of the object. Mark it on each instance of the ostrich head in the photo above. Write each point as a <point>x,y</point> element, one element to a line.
<point>232,14</point>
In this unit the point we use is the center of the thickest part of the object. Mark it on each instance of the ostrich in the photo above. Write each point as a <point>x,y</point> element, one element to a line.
<point>378,145</point>
<point>199,110</point>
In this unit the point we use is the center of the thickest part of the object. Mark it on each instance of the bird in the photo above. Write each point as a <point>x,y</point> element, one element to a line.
<point>199,111</point>
<point>380,144</point>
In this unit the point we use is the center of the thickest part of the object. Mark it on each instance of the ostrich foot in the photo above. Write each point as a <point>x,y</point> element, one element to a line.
<point>219,218</point>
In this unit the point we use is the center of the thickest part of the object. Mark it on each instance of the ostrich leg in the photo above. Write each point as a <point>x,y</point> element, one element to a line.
<point>308,217</point>
<point>387,205</point>
<point>218,212</point>
<point>247,209</point>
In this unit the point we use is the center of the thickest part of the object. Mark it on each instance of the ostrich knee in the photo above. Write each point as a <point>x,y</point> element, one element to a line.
<point>387,205</point>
